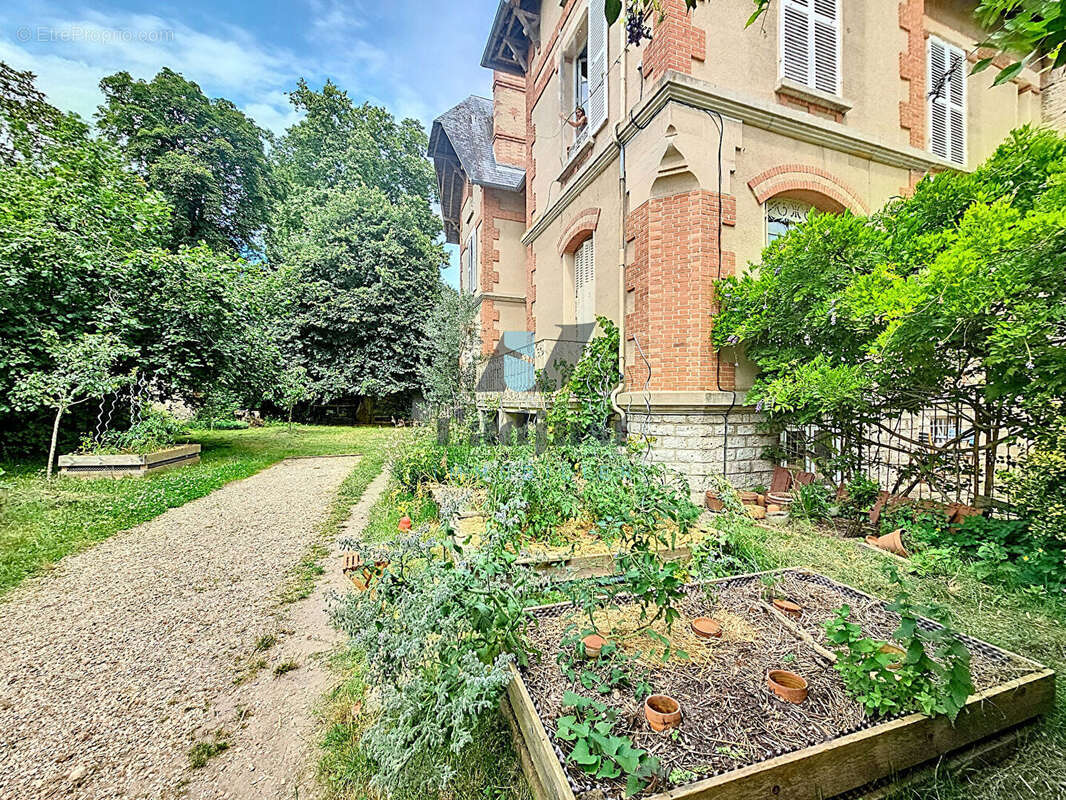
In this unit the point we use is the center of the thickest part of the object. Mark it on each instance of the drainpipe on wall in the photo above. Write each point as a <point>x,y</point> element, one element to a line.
<point>621,233</point>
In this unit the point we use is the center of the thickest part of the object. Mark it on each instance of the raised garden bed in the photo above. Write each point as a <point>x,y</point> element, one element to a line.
<point>120,465</point>
<point>737,739</point>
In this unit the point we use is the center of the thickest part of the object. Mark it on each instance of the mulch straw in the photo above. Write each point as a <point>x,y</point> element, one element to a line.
<point>730,716</point>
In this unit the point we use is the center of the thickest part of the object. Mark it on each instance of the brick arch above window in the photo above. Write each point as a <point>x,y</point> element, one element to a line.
<point>581,226</point>
<point>806,178</point>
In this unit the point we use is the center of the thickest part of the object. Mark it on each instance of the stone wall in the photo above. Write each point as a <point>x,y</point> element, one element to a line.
<point>693,443</point>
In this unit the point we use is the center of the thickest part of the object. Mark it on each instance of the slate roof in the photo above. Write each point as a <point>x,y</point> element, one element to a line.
<point>461,139</point>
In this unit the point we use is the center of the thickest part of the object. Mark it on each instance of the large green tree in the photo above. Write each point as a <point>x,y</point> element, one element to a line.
<point>355,237</point>
<point>953,299</point>
<point>207,158</point>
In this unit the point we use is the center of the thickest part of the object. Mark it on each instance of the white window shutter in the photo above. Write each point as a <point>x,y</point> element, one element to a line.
<point>826,46</point>
<point>795,41</point>
<point>947,101</point>
<point>597,55</point>
<point>585,282</point>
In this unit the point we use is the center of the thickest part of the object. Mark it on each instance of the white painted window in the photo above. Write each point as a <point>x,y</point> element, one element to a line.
<point>810,43</point>
<point>947,101</point>
<point>585,282</point>
<point>469,277</point>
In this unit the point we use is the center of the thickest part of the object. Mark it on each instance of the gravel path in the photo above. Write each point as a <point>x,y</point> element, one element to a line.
<point>110,665</point>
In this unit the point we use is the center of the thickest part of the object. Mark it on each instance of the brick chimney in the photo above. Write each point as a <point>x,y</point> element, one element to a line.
<point>509,119</point>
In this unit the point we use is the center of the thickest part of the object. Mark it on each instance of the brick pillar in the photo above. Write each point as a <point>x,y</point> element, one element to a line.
<point>1053,99</point>
<point>509,119</point>
<point>912,111</point>
<point>675,41</point>
<point>671,284</point>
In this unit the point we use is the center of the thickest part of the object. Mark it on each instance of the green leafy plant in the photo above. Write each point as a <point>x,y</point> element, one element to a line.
<point>595,747</point>
<point>155,429</point>
<point>936,682</point>
<point>813,502</point>
<point>582,407</point>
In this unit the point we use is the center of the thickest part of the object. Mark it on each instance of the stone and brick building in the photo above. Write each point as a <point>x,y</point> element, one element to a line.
<point>602,179</point>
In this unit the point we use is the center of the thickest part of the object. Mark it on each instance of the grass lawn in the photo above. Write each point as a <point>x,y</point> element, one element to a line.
<point>41,522</point>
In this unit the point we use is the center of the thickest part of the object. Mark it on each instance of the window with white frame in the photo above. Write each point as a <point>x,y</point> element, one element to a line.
<point>585,282</point>
<point>468,281</point>
<point>810,43</point>
<point>588,85</point>
<point>947,101</point>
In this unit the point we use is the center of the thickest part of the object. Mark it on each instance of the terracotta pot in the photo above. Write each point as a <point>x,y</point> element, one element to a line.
<point>405,524</point>
<point>779,499</point>
<point>898,652</point>
<point>787,685</point>
<point>755,512</point>
<point>706,628</point>
<point>713,502</point>
<point>760,500</point>
<point>773,508</point>
<point>892,542</point>
<point>788,607</point>
<point>749,498</point>
<point>593,644</point>
<point>662,712</point>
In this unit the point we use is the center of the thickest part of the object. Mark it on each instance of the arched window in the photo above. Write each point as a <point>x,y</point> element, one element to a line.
<point>783,214</point>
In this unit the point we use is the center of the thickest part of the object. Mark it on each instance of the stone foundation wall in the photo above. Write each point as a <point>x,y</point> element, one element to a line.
<point>693,443</point>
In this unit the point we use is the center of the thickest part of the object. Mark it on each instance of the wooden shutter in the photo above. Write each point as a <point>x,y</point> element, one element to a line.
<point>947,101</point>
<point>810,43</point>
<point>597,55</point>
<point>585,282</point>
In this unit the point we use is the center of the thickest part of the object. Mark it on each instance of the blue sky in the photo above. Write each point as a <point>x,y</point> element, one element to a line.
<point>416,58</point>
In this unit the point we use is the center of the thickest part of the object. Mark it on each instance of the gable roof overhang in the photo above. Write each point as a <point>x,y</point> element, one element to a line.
<point>515,28</point>
<point>460,144</point>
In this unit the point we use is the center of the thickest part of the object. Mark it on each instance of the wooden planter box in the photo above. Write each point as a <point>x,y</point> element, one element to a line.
<point>871,756</point>
<point>122,464</point>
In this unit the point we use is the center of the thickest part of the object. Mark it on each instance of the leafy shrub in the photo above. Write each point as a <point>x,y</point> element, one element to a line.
<point>436,636</point>
<point>862,493</point>
<point>1038,488</point>
<point>812,502</point>
<point>582,407</point>
<point>933,684</point>
<point>155,430</point>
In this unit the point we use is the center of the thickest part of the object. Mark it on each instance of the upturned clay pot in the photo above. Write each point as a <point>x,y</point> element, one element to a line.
<point>706,627</point>
<point>749,498</point>
<point>405,524</point>
<point>787,685</point>
<point>593,644</point>
<point>662,712</point>
<point>898,653</point>
<point>788,607</point>
<point>892,542</point>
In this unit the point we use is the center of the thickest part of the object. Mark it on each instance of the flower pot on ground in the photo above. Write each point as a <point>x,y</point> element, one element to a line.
<point>891,542</point>
<point>593,643</point>
<point>662,712</point>
<point>782,499</point>
<point>787,685</point>
<point>405,524</point>
<point>755,512</point>
<point>788,607</point>
<point>749,498</point>
<point>706,627</point>
<point>713,502</point>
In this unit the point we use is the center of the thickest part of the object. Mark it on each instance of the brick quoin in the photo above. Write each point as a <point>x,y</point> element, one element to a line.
<point>489,256</point>
<point>912,62</point>
<point>675,41</point>
<point>671,279</point>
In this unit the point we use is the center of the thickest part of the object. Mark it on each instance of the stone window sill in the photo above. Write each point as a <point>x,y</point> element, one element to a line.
<point>808,95</point>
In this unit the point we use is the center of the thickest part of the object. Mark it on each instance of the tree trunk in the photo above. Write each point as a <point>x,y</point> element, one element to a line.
<point>55,435</point>
<point>290,419</point>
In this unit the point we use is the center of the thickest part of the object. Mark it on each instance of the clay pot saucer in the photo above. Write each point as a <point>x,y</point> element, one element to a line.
<point>706,627</point>
<point>593,644</point>
<point>662,712</point>
<point>787,685</point>
<point>788,607</point>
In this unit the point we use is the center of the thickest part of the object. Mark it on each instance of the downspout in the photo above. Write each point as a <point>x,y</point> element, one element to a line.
<point>621,233</point>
